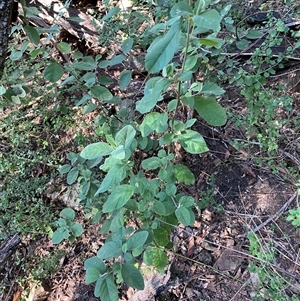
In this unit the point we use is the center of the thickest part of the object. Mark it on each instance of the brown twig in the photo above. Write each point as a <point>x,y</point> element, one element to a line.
<point>271,218</point>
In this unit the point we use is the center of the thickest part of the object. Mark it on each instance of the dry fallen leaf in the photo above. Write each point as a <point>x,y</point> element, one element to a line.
<point>191,247</point>
<point>247,170</point>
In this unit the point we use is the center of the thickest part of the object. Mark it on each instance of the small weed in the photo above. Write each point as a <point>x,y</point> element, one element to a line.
<point>46,265</point>
<point>207,197</point>
<point>269,284</point>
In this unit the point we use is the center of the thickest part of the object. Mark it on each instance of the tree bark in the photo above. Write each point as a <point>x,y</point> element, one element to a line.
<point>8,247</point>
<point>5,14</point>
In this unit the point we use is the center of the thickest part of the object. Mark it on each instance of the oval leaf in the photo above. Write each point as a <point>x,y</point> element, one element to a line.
<point>76,229</point>
<point>101,93</point>
<point>184,175</point>
<point>210,110</point>
<point>132,276</point>
<point>53,72</point>
<point>211,42</point>
<point>96,150</point>
<point>183,216</point>
<point>67,213</point>
<point>137,240</point>
<point>193,142</point>
<point>125,136</point>
<point>32,34</point>
<point>107,289</point>
<point>59,235</point>
<point>87,63</point>
<point>127,45</point>
<point>162,49</point>
<point>212,89</point>
<point>64,47</point>
<point>109,250</point>
<point>72,176</point>
<point>118,198</point>
<point>125,78</point>
<point>210,19</point>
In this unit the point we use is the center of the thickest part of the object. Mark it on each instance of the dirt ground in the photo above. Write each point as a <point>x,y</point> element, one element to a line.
<point>210,260</point>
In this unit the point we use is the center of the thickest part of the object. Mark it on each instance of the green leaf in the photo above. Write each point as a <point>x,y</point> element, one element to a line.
<point>105,80</point>
<point>67,213</point>
<point>155,86</point>
<point>53,72</point>
<point>30,10</point>
<point>125,136</point>
<point>162,49</point>
<point>181,9</point>
<point>193,142</point>
<point>83,100</point>
<point>185,76</point>
<point>112,12</point>
<point>208,20</point>
<point>72,175</point>
<point>64,169</point>
<point>96,150</point>
<point>127,45</point>
<point>132,276</point>
<point>32,34</point>
<point>68,80</point>
<point>59,235</point>
<point>159,259</point>
<point>159,208</point>
<point>117,222</point>
<point>211,42</point>
<point>137,240</point>
<point>95,262</point>
<point>91,275</point>
<point>186,201</point>
<point>183,216</point>
<point>242,44</point>
<point>210,110</point>
<point>89,108</point>
<point>172,105</point>
<point>106,289</point>
<point>75,19</point>
<point>148,256</point>
<point>183,174</point>
<point>171,189</point>
<point>118,59</point>
<point>161,237</point>
<point>101,93</point>
<point>125,78</point>
<point>64,47</point>
<point>2,90</point>
<point>118,198</point>
<point>190,122</point>
<point>15,55</point>
<point>166,139</point>
<point>115,175</point>
<point>191,62</point>
<point>154,122</point>
<point>109,250</point>
<point>87,64</point>
<point>212,89</point>
<point>119,153</point>
<point>254,34</point>
<point>76,229</point>
<point>151,163</point>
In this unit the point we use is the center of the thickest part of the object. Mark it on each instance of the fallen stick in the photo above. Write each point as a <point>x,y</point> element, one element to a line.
<point>271,218</point>
<point>8,247</point>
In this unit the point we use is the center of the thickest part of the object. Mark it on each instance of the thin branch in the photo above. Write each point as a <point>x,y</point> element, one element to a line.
<point>273,217</point>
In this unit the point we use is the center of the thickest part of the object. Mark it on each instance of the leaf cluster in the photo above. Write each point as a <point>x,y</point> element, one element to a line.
<point>132,172</point>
